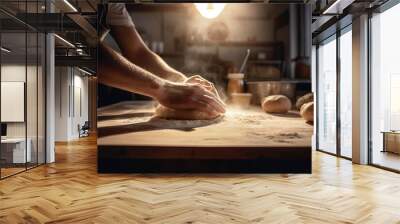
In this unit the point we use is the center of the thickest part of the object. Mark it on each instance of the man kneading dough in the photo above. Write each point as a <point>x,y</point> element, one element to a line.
<point>139,70</point>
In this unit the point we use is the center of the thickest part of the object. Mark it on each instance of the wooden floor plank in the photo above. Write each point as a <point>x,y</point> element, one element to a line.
<point>71,191</point>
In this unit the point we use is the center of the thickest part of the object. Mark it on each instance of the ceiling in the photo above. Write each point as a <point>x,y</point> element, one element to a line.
<point>39,6</point>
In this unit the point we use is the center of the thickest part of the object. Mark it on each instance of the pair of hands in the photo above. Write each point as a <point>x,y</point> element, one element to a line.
<point>195,93</point>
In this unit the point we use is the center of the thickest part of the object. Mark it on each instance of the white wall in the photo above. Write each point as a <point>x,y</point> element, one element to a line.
<point>70,83</point>
<point>62,81</point>
<point>15,73</point>
<point>82,82</point>
<point>12,73</point>
<point>80,111</point>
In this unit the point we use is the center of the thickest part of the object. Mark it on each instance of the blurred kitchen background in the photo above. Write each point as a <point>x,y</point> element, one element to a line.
<point>213,41</point>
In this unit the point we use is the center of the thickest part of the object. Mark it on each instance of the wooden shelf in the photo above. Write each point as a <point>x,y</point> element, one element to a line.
<point>171,55</point>
<point>294,81</point>
<point>262,61</point>
<point>236,44</point>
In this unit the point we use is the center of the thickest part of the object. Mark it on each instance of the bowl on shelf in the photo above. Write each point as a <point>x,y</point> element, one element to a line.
<point>241,99</point>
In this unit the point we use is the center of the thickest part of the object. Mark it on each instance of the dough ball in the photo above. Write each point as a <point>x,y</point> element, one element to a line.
<point>307,111</point>
<point>171,114</point>
<point>277,104</point>
<point>309,97</point>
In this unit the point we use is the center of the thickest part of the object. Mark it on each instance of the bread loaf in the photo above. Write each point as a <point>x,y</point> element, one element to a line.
<point>309,97</point>
<point>276,104</point>
<point>307,111</point>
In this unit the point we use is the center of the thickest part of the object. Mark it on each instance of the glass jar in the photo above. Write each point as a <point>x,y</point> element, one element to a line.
<point>235,83</point>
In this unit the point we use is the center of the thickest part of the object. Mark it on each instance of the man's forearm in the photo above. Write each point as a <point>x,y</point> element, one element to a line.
<point>134,49</point>
<point>118,72</point>
<point>155,64</point>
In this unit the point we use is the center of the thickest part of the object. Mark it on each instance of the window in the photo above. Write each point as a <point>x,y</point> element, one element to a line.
<point>22,77</point>
<point>385,89</point>
<point>326,103</point>
<point>346,93</point>
<point>334,96</point>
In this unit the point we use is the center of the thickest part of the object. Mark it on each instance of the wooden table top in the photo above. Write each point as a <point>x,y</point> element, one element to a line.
<point>131,124</point>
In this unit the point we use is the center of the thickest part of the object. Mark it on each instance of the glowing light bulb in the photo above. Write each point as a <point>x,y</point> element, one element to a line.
<point>210,10</point>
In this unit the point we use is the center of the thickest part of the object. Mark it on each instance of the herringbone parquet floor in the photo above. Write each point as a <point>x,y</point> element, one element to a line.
<point>70,191</point>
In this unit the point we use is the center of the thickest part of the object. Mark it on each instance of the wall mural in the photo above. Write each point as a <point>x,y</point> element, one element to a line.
<point>205,88</point>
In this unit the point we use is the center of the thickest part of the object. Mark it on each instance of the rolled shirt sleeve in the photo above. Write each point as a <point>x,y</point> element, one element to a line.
<point>117,15</point>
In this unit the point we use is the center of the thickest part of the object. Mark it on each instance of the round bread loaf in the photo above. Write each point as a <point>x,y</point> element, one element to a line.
<point>309,97</point>
<point>307,111</point>
<point>276,104</point>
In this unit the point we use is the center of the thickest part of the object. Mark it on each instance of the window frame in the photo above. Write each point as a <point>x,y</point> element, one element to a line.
<point>333,37</point>
<point>378,10</point>
<point>27,29</point>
